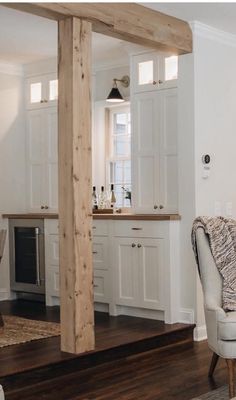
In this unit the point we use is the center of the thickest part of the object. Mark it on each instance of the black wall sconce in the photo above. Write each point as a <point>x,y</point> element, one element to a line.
<point>115,95</point>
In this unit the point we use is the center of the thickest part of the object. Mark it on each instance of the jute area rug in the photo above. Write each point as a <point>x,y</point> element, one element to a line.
<point>219,394</point>
<point>18,330</point>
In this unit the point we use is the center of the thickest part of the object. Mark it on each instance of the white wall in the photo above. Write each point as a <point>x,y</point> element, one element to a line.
<point>207,126</point>
<point>186,158</point>
<point>12,156</point>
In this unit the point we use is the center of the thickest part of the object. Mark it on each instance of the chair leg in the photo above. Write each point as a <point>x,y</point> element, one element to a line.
<point>214,361</point>
<point>1,321</point>
<point>230,365</point>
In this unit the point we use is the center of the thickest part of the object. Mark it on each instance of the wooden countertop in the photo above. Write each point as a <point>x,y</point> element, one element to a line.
<point>122,216</point>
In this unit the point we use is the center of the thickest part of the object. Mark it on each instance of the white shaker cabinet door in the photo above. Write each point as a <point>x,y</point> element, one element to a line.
<point>126,272</point>
<point>51,162</point>
<point>42,160</point>
<point>168,189</point>
<point>36,159</point>
<point>146,124</point>
<point>151,259</point>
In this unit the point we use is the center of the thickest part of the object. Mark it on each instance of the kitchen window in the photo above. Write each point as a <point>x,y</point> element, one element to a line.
<point>119,157</point>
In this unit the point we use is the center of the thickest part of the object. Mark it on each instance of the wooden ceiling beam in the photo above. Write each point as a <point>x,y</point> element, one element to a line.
<point>127,21</point>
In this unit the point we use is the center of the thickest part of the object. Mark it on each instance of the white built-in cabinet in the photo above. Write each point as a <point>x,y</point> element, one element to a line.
<point>139,267</point>
<point>101,262</point>
<point>154,137</point>
<point>133,268</point>
<point>153,71</point>
<point>42,164</point>
<point>42,138</point>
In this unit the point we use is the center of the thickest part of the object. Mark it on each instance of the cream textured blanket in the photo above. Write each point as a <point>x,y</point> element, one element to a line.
<point>222,239</point>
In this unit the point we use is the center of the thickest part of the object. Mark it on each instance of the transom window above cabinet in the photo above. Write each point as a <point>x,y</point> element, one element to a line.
<point>41,91</point>
<point>151,71</point>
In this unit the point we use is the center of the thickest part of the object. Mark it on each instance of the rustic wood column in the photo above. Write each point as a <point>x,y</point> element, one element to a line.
<point>75,162</point>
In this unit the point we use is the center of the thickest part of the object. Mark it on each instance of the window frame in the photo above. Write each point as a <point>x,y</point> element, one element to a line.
<point>110,157</point>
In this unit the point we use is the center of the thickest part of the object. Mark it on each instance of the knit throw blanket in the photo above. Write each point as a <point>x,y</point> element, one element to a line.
<point>222,239</point>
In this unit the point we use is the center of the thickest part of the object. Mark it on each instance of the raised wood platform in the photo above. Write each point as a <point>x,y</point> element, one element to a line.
<point>116,338</point>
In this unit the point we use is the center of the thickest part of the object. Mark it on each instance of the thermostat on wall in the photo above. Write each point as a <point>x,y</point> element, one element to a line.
<point>206,159</point>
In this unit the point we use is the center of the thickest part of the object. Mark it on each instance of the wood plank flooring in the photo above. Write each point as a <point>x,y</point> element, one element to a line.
<point>116,337</point>
<point>177,374</point>
<point>39,370</point>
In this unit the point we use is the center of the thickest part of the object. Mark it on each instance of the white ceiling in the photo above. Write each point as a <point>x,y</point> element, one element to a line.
<point>219,15</point>
<point>26,38</point>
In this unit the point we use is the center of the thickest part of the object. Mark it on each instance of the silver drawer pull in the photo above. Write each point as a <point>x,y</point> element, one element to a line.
<point>137,229</point>
<point>94,227</point>
<point>95,252</point>
<point>133,245</point>
<point>161,207</point>
<point>139,245</point>
<point>95,285</point>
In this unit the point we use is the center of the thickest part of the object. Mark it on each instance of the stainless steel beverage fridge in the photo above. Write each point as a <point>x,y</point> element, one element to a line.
<point>27,257</point>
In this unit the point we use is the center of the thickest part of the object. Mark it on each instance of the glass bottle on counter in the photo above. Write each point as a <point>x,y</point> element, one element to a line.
<point>102,199</point>
<point>113,197</point>
<point>94,199</point>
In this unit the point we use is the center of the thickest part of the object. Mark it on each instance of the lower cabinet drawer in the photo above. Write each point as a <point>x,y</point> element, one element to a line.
<point>101,286</point>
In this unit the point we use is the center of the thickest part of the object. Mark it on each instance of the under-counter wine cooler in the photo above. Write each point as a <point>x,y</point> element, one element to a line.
<point>27,257</point>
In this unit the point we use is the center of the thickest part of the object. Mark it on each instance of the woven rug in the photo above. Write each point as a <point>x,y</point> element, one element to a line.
<point>219,394</point>
<point>18,330</point>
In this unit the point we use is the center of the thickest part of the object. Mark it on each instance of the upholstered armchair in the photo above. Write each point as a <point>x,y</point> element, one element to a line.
<point>221,325</point>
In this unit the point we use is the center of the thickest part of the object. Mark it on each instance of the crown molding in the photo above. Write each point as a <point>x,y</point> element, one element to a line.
<point>211,33</point>
<point>11,69</point>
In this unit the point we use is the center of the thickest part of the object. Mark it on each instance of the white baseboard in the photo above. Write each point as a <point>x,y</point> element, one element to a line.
<point>186,316</point>
<point>102,307</point>
<point>140,312</point>
<point>200,333</point>
<point>4,295</point>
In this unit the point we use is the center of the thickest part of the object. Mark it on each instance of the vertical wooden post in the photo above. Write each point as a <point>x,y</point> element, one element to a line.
<point>75,162</point>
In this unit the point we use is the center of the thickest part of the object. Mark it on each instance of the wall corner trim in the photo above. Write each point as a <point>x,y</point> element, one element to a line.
<point>186,316</point>
<point>200,333</point>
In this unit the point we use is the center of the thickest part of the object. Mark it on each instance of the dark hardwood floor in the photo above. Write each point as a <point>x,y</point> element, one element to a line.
<point>39,370</point>
<point>177,374</point>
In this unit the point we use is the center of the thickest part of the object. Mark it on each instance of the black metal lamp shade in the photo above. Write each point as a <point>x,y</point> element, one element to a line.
<point>115,96</point>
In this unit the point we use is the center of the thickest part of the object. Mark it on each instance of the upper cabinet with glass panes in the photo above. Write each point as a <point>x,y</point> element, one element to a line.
<point>41,91</point>
<point>152,71</point>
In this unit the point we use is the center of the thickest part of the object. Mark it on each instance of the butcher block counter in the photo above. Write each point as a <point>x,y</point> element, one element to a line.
<point>117,216</point>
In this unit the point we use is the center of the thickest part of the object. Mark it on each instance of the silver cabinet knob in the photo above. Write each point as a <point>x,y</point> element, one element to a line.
<point>161,207</point>
<point>46,207</point>
<point>154,82</point>
<point>160,82</point>
<point>133,245</point>
<point>139,245</point>
<point>155,207</point>
<point>42,207</point>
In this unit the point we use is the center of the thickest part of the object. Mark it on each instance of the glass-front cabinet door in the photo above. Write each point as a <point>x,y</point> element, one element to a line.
<point>154,71</point>
<point>41,91</point>
<point>146,72</point>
